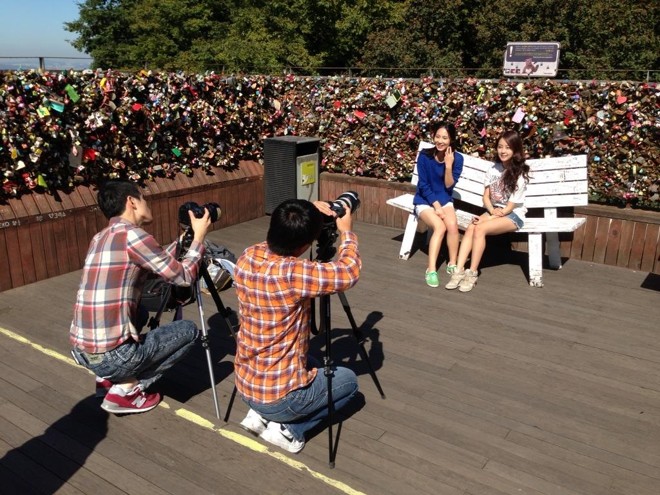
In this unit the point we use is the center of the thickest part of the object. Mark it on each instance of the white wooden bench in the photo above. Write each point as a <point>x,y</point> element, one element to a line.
<point>554,182</point>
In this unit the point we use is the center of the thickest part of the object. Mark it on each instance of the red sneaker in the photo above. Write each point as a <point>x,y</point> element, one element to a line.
<point>118,401</point>
<point>102,387</point>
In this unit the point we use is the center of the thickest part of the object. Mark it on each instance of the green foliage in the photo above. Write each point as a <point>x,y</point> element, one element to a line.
<point>596,36</point>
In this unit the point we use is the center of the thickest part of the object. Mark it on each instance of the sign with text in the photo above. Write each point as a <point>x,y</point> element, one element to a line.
<point>531,59</point>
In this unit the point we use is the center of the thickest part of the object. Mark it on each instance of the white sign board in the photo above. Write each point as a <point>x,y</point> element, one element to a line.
<point>531,59</point>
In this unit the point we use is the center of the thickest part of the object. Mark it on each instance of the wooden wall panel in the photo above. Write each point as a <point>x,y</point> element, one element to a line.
<point>49,249</point>
<point>46,235</point>
<point>650,247</point>
<point>623,256</point>
<point>639,236</point>
<point>14,256</point>
<point>613,241</point>
<point>5,274</point>
<point>38,253</point>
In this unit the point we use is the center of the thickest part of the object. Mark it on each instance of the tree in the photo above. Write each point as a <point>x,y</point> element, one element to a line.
<point>103,30</point>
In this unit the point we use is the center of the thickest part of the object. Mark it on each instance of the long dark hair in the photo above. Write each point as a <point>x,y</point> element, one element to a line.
<point>517,166</point>
<point>434,127</point>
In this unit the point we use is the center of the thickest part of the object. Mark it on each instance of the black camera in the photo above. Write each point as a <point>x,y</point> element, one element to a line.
<point>325,249</point>
<point>198,211</point>
<point>349,200</point>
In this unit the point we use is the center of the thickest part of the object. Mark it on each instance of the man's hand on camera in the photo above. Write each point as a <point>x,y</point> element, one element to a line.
<point>200,226</point>
<point>324,208</point>
<point>345,223</point>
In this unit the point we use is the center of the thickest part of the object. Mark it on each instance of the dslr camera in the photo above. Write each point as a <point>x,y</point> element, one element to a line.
<point>198,211</point>
<point>325,249</point>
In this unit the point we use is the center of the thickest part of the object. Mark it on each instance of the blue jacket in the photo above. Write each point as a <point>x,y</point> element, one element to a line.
<point>431,183</point>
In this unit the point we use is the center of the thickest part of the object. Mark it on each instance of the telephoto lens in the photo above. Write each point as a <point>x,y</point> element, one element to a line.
<point>348,199</point>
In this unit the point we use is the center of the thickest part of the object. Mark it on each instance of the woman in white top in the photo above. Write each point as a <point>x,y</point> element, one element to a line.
<point>504,195</point>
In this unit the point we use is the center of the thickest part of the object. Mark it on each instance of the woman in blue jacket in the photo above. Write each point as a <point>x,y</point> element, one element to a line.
<point>438,169</point>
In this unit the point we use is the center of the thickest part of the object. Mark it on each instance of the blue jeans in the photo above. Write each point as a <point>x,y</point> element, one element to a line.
<point>146,360</point>
<point>302,409</point>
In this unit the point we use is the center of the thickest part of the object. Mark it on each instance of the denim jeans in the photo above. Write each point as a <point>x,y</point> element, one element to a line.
<point>302,409</point>
<point>146,360</point>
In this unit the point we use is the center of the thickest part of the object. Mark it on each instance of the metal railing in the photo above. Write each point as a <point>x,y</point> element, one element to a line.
<point>40,63</point>
<point>80,63</point>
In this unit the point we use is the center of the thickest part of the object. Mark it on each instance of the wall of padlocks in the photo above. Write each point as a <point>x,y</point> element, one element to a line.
<point>60,130</point>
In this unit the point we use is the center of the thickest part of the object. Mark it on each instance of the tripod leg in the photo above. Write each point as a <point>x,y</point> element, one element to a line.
<point>205,345</point>
<point>231,403</point>
<point>324,307</point>
<point>360,340</point>
<point>222,309</point>
<point>225,312</point>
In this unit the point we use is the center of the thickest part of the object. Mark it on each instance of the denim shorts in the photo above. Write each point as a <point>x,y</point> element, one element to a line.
<point>516,220</point>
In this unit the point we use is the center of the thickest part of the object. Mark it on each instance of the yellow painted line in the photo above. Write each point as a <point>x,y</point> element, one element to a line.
<point>243,440</point>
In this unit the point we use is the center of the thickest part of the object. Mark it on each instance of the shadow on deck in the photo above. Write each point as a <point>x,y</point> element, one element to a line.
<point>508,389</point>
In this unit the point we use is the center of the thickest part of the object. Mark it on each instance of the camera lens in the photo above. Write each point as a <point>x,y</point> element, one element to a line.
<point>214,211</point>
<point>348,199</point>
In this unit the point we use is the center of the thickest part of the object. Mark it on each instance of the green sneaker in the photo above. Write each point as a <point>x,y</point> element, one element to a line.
<point>432,279</point>
<point>451,269</point>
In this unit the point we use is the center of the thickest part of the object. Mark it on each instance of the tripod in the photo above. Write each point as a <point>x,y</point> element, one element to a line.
<point>325,326</point>
<point>325,252</point>
<point>223,310</point>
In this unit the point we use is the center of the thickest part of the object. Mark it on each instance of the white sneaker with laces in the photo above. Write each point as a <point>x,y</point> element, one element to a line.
<point>469,281</point>
<point>254,423</point>
<point>279,435</point>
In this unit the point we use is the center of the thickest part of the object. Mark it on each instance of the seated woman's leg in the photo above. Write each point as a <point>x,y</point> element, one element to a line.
<point>435,223</point>
<point>496,226</point>
<point>451,224</point>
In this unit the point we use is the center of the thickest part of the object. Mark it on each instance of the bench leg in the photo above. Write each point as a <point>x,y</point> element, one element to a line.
<point>408,237</point>
<point>554,255</point>
<point>536,260</point>
<point>552,241</point>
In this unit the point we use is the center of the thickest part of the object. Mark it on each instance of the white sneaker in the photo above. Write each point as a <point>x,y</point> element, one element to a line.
<point>455,280</point>
<point>469,281</point>
<point>254,423</point>
<point>279,435</point>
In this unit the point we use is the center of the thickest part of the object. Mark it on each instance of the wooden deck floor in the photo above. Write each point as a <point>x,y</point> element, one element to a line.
<point>505,390</point>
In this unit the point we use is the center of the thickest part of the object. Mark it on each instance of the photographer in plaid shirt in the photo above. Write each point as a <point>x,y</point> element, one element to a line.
<point>286,394</point>
<point>107,318</point>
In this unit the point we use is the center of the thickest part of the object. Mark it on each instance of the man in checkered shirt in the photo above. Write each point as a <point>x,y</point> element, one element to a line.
<point>287,395</point>
<point>106,321</point>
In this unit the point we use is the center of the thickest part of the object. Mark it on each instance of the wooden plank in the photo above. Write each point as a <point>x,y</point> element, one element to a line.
<point>637,248</point>
<point>650,246</point>
<point>555,188</point>
<point>5,274</point>
<point>62,247</point>
<point>623,255</point>
<point>613,240</point>
<point>14,256</point>
<point>589,238</point>
<point>600,240</point>
<point>39,255</point>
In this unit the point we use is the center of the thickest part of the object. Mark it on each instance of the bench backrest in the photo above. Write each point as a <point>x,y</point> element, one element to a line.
<point>553,182</point>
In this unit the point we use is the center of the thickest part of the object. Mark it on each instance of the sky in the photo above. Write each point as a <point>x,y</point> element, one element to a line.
<point>35,28</point>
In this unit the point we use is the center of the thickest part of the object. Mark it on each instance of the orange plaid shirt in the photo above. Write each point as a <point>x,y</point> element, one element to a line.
<point>274,298</point>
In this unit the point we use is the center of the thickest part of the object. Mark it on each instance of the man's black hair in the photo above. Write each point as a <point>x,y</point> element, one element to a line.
<point>112,196</point>
<point>294,223</point>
